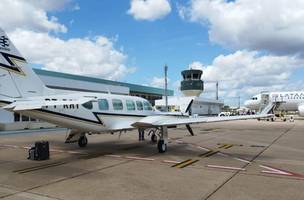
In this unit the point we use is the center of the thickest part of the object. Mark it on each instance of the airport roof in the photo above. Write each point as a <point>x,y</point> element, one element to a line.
<point>133,87</point>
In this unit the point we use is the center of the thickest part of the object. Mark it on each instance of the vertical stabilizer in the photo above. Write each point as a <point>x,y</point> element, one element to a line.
<point>17,79</point>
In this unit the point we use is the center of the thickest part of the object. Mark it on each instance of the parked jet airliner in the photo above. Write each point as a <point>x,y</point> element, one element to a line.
<point>287,101</point>
<point>23,92</point>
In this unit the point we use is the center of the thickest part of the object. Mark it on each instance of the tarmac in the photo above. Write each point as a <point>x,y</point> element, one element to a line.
<point>229,160</point>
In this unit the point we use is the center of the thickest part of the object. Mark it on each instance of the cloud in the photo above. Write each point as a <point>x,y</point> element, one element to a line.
<point>158,82</point>
<point>82,56</point>
<point>196,65</point>
<point>274,26</point>
<point>32,28</point>
<point>149,9</point>
<point>31,14</point>
<point>249,72</point>
<point>49,5</point>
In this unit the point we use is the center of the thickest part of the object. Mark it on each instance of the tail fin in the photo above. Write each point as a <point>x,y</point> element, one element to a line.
<point>17,79</point>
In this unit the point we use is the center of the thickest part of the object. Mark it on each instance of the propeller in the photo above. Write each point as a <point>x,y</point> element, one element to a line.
<point>189,107</point>
<point>190,129</point>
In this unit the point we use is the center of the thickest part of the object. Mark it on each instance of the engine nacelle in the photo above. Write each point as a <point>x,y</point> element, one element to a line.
<point>301,110</point>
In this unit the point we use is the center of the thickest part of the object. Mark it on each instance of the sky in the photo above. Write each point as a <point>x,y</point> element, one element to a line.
<point>248,46</point>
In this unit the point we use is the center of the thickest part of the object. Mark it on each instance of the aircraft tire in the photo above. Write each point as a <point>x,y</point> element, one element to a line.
<point>153,138</point>
<point>83,141</point>
<point>162,146</point>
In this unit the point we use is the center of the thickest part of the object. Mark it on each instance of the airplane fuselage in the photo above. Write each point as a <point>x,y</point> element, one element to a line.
<point>106,113</point>
<point>288,101</point>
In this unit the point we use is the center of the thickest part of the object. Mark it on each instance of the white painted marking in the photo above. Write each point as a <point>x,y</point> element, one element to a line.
<point>139,158</point>
<point>203,148</point>
<point>171,161</point>
<point>226,167</point>
<point>51,150</point>
<point>223,154</point>
<point>242,160</point>
<point>114,156</point>
<point>8,145</point>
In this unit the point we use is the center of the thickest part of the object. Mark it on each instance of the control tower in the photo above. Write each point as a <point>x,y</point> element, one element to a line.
<point>192,85</point>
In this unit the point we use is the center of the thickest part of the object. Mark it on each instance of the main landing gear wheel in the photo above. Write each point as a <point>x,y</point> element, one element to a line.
<point>162,146</point>
<point>83,141</point>
<point>153,138</point>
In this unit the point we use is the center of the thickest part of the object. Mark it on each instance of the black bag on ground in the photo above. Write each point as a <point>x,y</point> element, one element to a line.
<point>40,151</point>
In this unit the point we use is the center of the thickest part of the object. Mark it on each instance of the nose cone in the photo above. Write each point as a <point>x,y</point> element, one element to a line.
<point>247,103</point>
<point>251,104</point>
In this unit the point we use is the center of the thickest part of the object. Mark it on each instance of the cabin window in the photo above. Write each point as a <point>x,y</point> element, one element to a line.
<point>88,105</point>
<point>103,104</point>
<point>117,104</point>
<point>139,105</point>
<point>147,106</point>
<point>130,105</point>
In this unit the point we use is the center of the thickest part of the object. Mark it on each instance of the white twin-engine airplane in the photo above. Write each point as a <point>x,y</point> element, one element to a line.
<point>287,101</point>
<point>23,92</point>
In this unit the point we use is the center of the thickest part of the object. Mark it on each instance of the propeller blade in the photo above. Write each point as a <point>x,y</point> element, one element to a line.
<point>189,106</point>
<point>190,129</point>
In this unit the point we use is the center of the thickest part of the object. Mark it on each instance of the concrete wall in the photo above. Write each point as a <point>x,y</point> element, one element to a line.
<point>200,106</point>
<point>6,117</point>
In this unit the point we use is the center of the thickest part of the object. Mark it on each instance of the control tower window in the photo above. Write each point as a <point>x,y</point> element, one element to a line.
<point>195,76</point>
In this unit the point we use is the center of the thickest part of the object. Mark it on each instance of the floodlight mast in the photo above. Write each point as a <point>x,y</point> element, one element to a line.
<point>166,87</point>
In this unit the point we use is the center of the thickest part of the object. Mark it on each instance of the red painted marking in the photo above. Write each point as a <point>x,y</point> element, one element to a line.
<point>276,171</point>
<point>226,167</point>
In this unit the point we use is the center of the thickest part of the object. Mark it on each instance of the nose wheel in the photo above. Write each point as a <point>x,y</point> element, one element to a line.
<point>82,141</point>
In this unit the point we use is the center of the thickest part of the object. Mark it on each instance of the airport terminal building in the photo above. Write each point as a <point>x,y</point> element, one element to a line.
<point>63,81</point>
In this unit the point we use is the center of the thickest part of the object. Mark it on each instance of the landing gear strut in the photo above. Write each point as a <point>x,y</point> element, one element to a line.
<point>83,141</point>
<point>163,141</point>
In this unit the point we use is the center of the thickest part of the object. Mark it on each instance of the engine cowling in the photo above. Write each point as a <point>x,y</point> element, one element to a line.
<point>301,110</point>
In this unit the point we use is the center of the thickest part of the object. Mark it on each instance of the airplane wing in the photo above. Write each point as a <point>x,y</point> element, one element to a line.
<point>158,121</point>
<point>26,104</point>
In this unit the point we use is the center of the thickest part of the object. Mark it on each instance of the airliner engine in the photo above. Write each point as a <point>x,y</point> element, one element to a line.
<point>301,110</point>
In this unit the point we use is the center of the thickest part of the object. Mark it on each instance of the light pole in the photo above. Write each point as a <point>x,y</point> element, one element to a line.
<point>166,87</point>
<point>217,90</point>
